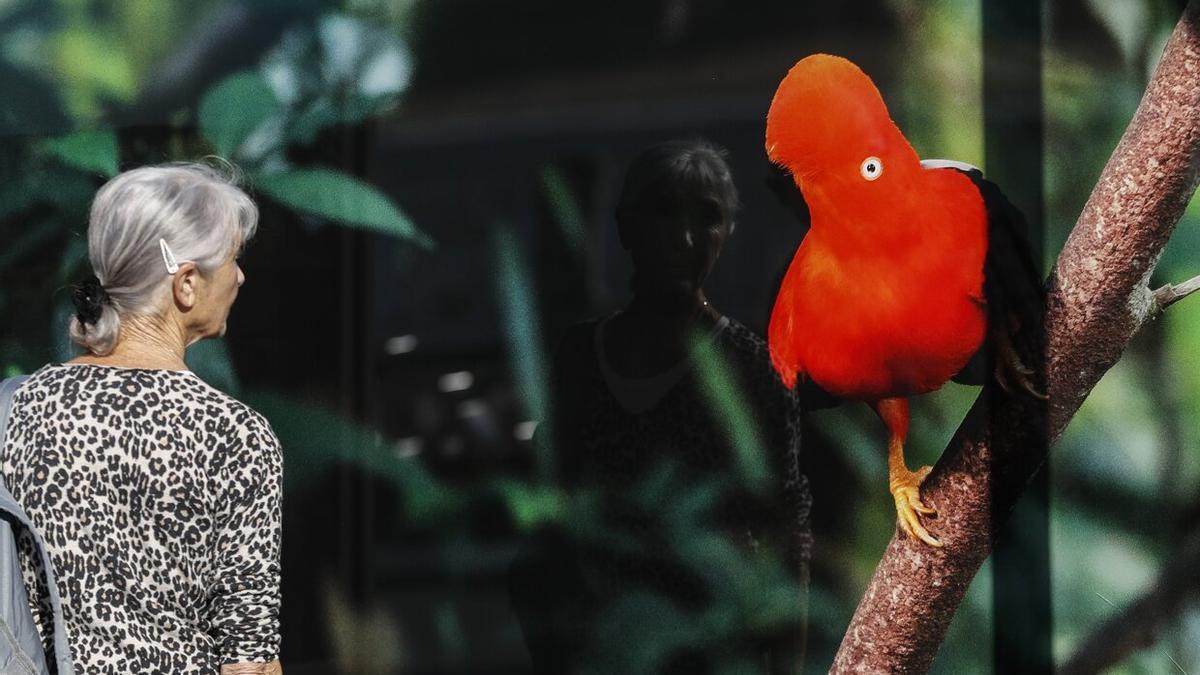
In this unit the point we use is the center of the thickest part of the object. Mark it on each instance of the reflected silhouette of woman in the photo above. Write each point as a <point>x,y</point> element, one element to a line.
<point>660,386</point>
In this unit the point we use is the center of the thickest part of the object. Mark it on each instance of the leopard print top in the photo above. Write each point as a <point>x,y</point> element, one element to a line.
<point>159,500</point>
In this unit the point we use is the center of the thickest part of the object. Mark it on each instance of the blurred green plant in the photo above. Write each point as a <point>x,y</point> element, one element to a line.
<point>337,69</point>
<point>63,65</point>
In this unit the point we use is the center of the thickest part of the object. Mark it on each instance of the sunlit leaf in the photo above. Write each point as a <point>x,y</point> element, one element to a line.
<point>93,69</point>
<point>385,73</point>
<point>342,198</point>
<point>531,505</point>
<point>523,339</point>
<point>729,405</point>
<point>234,108</point>
<point>354,51</point>
<point>91,151</point>
<point>565,206</point>
<point>342,71</point>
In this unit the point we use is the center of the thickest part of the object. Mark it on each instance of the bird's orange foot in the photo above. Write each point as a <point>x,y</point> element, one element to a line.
<point>906,489</point>
<point>1009,365</point>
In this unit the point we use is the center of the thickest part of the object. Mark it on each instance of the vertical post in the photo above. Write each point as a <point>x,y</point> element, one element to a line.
<point>1013,142</point>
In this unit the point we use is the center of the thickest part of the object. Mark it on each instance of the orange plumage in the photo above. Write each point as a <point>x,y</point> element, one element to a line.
<point>884,298</point>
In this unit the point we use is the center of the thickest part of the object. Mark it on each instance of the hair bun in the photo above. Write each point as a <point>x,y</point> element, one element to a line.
<point>89,297</point>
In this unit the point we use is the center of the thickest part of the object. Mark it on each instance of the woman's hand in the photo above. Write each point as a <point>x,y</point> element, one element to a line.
<point>272,668</point>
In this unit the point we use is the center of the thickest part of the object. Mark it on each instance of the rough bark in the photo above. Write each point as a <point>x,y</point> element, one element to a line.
<point>1098,299</point>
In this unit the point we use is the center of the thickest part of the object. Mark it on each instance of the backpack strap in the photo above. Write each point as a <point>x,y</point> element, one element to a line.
<point>7,389</point>
<point>62,648</point>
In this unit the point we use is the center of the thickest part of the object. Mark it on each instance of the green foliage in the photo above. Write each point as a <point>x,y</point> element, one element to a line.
<point>342,198</point>
<point>343,70</point>
<point>65,64</point>
<point>523,338</point>
<point>531,505</point>
<point>728,403</point>
<point>211,360</point>
<point>88,151</point>
<point>86,57</point>
<point>316,440</point>
<point>29,104</point>
<point>233,109</point>
<point>567,213</point>
<point>639,627</point>
<point>621,636</point>
<point>49,171</point>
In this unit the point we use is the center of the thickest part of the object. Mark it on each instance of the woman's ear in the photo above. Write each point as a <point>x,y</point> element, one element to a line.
<point>185,286</point>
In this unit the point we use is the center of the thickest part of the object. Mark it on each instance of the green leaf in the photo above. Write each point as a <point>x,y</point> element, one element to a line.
<point>523,338</point>
<point>64,189</point>
<point>74,253</point>
<point>234,108</point>
<point>90,151</point>
<point>315,440</point>
<point>639,631</point>
<point>318,115</point>
<point>212,362</point>
<point>342,198</point>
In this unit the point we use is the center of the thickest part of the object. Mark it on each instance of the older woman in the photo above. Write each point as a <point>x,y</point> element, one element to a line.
<point>158,496</point>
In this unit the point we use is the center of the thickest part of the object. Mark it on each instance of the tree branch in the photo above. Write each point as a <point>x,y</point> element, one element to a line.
<point>1170,294</point>
<point>1098,299</point>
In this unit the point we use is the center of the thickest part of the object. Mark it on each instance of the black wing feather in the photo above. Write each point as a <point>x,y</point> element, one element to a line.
<point>1013,285</point>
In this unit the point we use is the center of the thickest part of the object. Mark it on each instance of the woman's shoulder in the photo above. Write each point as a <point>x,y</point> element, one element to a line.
<point>744,344</point>
<point>244,417</point>
<point>249,442</point>
<point>752,352</point>
<point>183,389</point>
<point>76,379</point>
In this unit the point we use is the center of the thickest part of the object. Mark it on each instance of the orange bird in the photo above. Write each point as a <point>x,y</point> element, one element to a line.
<point>895,286</point>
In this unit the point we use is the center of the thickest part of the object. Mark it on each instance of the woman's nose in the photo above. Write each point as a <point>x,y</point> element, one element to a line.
<point>241,279</point>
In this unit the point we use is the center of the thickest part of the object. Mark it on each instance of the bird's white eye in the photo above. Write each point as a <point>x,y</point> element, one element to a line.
<point>871,168</point>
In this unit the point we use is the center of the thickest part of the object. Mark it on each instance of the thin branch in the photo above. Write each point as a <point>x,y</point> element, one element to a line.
<point>1138,624</point>
<point>1170,294</point>
<point>1098,300</point>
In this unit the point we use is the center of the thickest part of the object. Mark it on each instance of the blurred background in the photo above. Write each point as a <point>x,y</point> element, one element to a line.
<point>437,178</point>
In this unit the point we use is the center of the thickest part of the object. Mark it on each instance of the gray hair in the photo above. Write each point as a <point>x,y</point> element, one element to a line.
<point>197,210</point>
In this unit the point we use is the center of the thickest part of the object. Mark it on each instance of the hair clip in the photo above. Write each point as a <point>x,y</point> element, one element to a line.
<point>168,257</point>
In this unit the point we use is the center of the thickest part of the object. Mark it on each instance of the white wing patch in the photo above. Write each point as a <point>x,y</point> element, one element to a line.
<point>948,164</point>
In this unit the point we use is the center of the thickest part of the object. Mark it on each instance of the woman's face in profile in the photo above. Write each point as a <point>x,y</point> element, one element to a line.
<point>674,243</point>
<point>221,290</point>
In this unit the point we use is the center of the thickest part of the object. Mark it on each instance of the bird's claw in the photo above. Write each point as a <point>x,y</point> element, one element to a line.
<point>906,490</point>
<point>1010,364</point>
